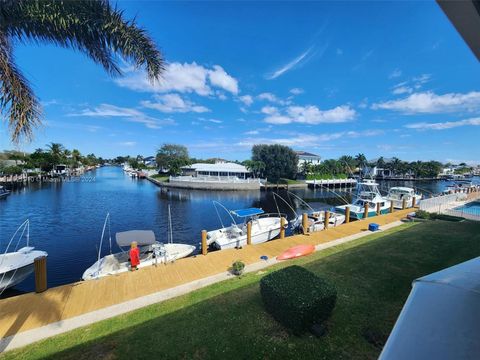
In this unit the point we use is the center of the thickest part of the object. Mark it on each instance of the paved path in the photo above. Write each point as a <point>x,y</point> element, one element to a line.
<point>28,318</point>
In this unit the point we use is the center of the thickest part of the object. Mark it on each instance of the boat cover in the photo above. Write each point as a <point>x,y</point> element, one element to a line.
<point>440,317</point>
<point>142,237</point>
<point>247,212</point>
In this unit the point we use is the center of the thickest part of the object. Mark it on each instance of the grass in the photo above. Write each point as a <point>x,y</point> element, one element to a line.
<point>291,181</point>
<point>373,277</point>
<point>326,176</point>
<point>160,177</point>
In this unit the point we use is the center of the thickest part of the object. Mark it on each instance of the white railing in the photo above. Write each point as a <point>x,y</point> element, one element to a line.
<point>440,203</point>
<point>331,181</point>
<point>215,179</point>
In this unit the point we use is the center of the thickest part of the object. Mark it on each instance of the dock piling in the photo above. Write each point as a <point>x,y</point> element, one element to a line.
<point>347,214</point>
<point>40,266</point>
<point>249,233</point>
<point>204,242</point>
<point>404,204</point>
<point>392,205</point>
<point>305,223</point>
<point>326,219</point>
<point>378,209</point>
<point>365,211</point>
<point>414,202</point>
<point>282,228</point>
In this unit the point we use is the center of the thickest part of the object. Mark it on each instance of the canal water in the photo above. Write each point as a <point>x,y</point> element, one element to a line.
<point>66,218</point>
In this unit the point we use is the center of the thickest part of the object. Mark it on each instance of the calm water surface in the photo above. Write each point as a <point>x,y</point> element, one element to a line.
<point>66,219</point>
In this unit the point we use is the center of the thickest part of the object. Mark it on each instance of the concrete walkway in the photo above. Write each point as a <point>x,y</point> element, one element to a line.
<point>31,317</point>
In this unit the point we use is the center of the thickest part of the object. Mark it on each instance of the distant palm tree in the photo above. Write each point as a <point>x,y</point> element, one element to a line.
<point>93,27</point>
<point>56,150</point>
<point>76,157</point>
<point>361,160</point>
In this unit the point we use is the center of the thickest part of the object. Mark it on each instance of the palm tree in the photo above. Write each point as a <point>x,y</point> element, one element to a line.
<point>76,157</point>
<point>361,160</point>
<point>56,150</point>
<point>93,27</point>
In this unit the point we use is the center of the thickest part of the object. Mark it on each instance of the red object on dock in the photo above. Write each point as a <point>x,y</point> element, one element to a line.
<point>296,251</point>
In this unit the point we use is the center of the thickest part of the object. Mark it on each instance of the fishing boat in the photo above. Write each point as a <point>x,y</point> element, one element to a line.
<point>366,193</point>
<point>315,218</point>
<point>17,265</point>
<point>397,194</point>
<point>265,227</point>
<point>152,252</point>
<point>3,192</point>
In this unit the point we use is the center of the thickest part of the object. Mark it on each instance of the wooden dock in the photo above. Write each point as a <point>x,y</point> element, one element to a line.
<point>30,311</point>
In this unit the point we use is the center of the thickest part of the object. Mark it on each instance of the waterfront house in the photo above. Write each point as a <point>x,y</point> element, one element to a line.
<point>150,161</point>
<point>219,169</point>
<point>306,157</point>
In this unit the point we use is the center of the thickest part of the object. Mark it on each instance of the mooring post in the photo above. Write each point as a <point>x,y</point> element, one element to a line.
<point>204,242</point>
<point>378,209</point>
<point>404,204</point>
<point>392,205</point>
<point>347,214</point>
<point>414,201</point>
<point>305,223</point>
<point>40,266</point>
<point>249,233</point>
<point>365,211</point>
<point>326,219</point>
<point>282,227</point>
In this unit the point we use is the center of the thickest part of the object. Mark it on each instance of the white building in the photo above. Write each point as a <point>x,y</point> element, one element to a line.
<point>219,169</point>
<point>306,157</point>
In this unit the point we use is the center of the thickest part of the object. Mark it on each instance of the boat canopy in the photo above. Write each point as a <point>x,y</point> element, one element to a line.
<point>247,212</point>
<point>142,237</point>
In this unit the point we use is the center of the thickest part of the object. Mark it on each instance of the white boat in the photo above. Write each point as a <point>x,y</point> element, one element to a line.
<point>366,193</point>
<point>397,194</point>
<point>316,221</point>
<point>264,228</point>
<point>4,192</point>
<point>16,266</point>
<point>152,252</point>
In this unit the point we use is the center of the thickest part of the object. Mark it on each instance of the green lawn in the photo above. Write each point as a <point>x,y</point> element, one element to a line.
<point>226,321</point>
<point>160,177</point>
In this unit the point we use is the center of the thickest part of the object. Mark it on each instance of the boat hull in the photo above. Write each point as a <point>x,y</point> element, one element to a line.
<point>12,277</point>
<point>118,263</point>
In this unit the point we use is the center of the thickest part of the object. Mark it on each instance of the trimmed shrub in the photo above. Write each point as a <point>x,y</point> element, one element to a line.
<point>297,298</point>
<point>422,214</point>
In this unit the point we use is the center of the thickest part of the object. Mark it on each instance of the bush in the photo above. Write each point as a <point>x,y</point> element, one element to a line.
<point>422,214</point>
<point>237,267</point>
<point>297,298</point>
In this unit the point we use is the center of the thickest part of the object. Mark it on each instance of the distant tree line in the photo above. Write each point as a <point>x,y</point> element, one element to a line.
<point>45,159</point>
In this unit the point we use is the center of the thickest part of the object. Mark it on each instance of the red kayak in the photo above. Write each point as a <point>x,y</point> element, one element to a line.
<point>296,251</point>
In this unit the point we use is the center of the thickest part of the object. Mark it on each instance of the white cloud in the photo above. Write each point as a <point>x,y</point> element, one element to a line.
<point>184,78</point>
<point>303,140</point>
<point>402,90</point>
<point>127,143</point>
<point>431,103</point>
<point>170,103</point>
<point>129,114</point>
<point>339,51</point>
<point>289,66</point>
<point>444,125</point>
<point>219,78</point>
<point>309,114</point>
<point>395,73</point>
<point>252,132</point>
<point>246,99</point>
<point>267,96</point>
<point>296,91</point>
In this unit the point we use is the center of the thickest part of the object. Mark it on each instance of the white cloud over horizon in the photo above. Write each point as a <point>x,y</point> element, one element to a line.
<point>171,103</point>
<point>183,78</point>
<point>308,114</point>
<point>444,125</point>
<point>431,103</point>
<point>129,114</point>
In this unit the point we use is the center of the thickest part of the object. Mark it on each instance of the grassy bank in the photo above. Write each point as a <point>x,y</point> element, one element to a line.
<point>373,276</point>
<point>160,177</point>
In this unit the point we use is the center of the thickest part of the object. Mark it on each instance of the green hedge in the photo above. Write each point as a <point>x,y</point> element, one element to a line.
<point>297,298</point>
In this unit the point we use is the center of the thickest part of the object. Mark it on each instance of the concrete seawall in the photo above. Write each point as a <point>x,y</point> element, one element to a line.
<point>220,185</point>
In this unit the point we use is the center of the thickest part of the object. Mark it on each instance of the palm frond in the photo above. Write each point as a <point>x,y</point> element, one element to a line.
<point>17,101</point>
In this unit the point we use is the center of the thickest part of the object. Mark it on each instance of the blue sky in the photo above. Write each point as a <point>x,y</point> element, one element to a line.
<point>382,78</point>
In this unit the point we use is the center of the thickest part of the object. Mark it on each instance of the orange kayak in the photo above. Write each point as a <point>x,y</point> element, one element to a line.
<point>296,251</point>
